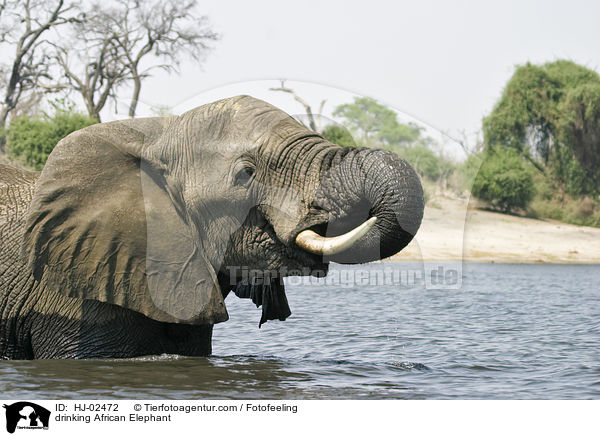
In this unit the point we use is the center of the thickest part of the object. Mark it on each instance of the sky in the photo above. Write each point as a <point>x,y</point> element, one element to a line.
<point>443,64</point>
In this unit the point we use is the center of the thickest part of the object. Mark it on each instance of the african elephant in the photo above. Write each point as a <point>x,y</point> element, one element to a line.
<point>128,241</point>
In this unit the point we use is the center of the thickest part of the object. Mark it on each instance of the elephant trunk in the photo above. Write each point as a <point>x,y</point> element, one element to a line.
<point>368,184</point>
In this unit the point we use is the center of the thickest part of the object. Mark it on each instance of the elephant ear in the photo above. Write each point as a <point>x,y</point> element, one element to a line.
<point>104,225</point>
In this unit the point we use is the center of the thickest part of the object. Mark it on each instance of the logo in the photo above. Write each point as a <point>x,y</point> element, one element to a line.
<point>25,415</point>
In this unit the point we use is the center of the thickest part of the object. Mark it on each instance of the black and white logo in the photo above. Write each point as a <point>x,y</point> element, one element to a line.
<point>25,415</point>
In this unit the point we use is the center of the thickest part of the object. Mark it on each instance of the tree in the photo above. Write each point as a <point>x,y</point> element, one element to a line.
<point>579,130</point>
<point>24,25</point>
<point>549,114</point>
<point>123,42</point>
<point>503,180</point>
<point>101,68</point>
<point>162,29</point>
<point>374,123</point>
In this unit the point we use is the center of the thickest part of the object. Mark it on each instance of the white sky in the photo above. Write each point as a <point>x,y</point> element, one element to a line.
<point>444,63</point>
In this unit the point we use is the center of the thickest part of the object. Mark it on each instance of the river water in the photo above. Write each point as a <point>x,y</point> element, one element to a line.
<point>510,332</point>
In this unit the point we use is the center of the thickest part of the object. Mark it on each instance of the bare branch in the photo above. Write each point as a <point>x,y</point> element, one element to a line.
<point>129,39</point>
<point>307,108</point>
<point>30,20</point>
<point>467,145</point>
<point>106,45</point>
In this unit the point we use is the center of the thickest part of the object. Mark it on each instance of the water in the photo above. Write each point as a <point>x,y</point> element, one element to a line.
<point>512,332</point>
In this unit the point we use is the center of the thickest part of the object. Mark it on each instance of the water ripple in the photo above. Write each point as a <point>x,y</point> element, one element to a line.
<point>513,331</point>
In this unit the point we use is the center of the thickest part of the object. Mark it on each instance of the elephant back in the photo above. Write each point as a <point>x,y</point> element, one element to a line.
<point>16,191</point>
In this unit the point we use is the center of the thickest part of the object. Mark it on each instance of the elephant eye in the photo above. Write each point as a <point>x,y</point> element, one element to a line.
<point>244,176</point>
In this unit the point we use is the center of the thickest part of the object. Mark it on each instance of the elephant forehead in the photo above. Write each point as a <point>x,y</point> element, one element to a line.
<point>238,120</point>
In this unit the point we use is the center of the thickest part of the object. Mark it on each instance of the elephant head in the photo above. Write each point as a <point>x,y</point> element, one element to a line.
<point>162,215</point>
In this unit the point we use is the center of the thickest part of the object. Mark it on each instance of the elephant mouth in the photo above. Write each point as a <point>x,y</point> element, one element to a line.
<point>273,260</point>
<point>307,253</point>
<point>268,252</point>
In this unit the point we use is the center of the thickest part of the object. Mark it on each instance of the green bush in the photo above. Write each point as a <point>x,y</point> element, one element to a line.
<point>579,211</point>
<point>551,113</point>
<point>544,208</point>
<point>338,135</point>
<point>504,180</point>
<point>30,140</point>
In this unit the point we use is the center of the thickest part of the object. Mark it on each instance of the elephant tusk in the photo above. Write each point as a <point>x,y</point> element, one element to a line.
<point>317,244</point>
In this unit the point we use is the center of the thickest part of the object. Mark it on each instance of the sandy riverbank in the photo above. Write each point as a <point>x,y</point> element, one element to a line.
<point>451,231</point>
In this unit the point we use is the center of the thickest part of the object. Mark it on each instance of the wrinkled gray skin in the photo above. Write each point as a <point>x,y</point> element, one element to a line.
<point>124,244</point>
